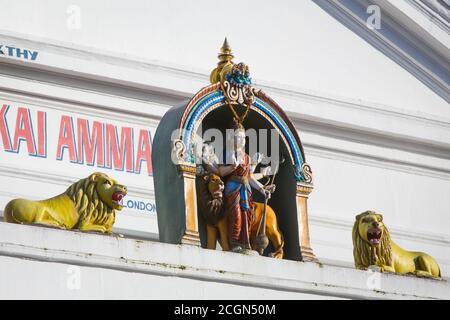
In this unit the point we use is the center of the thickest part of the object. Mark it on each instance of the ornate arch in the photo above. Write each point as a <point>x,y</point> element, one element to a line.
<point>212,98</point>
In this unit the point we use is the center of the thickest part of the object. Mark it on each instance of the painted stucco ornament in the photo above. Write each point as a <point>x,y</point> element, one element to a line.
<point>372,246</point>
<point>89,204</point>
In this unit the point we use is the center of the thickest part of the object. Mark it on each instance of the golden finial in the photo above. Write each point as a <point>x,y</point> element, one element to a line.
<point>226,49</point>
<point>225,62</point>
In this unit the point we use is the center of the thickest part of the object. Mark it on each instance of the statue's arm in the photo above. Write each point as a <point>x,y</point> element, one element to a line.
<point>212,168</point>
<point>265,172</point>
<point>258,176</point>
<point>256,159</point>
<point>225,170</point>
<point>257,185</point>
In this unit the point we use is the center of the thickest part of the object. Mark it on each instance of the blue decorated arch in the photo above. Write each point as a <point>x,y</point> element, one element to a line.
<point>211,98</point>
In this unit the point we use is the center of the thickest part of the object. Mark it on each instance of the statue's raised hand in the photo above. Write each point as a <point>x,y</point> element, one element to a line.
<point>271,188</point>
<point>268,190</point>
<point>257,158</point>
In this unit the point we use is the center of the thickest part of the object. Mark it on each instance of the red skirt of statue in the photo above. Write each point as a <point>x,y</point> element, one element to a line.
<point>239,205</point>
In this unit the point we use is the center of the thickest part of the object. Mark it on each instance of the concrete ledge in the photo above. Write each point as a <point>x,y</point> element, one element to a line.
<point>35,262</point>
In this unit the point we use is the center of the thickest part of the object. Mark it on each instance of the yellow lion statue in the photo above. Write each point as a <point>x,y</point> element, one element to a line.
<point>372,245</point>
<point>211,206</point>
<point>87,205</point>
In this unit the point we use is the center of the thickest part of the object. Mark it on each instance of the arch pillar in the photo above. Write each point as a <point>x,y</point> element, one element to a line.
<point>191,234</point>
<point>302,195</point>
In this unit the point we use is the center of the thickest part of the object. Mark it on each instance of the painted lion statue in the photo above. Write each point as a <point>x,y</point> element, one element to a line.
<point>372,245</point>
<point>211,206</point>
<point>88,205</point>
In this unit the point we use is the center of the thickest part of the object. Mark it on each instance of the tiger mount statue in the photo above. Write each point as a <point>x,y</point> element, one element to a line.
<point>372,246</point>
<point>89,204</point>
<point>211,206</point>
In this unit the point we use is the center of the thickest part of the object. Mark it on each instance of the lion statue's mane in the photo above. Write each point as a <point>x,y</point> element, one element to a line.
<point>88,203</point>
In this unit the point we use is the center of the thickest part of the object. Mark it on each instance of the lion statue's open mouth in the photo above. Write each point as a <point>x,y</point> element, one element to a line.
<point>117,198</point>
<point>374,235</point>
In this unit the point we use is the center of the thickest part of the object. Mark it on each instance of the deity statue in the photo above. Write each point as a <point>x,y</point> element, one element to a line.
<point>239,205</point>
